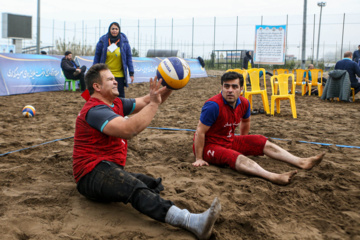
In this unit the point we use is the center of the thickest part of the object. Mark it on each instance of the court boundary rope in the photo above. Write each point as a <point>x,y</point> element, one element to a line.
<point>188,130</point>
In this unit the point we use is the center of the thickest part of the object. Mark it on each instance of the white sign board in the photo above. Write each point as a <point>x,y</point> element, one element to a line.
<point>270,44</point>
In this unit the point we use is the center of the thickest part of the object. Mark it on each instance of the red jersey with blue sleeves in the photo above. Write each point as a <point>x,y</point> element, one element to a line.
<point>91,146</point>
<point>223,119</point>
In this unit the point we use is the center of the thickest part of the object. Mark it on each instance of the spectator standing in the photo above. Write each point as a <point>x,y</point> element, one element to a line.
<point>248,61</point>
<point>114,50</point>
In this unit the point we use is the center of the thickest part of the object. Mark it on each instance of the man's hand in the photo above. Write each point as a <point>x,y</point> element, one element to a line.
<point>156,91</point>
<point>78,70</point>
<point>199,163</point>
<point>132,79</point>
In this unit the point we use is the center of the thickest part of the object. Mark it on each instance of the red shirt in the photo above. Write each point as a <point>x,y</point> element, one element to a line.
<point>92,146</point>
<point>223,130</point>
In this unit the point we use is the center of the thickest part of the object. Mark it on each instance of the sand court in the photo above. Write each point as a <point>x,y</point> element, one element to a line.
<point>39,200</point>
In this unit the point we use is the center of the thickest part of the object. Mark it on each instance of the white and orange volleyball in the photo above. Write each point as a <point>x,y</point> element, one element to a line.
<point>28,111</point>
<point>174,72</point>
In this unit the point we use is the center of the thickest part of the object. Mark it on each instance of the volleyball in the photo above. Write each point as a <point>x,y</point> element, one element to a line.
<point>28,111</point>
<point>174,72</point>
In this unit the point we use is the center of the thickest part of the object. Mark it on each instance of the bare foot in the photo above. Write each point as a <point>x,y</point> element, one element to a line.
<point>284,178</point>
<point>309,163</point>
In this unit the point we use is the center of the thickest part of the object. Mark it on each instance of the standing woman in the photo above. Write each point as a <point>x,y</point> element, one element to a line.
<point>114,50</point>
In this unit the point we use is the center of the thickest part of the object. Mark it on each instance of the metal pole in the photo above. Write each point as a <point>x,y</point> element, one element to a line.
<point>321,5</point>
<point>192,44</point>
<point>38,28</point>
<point>85,35</point>
<point>335,51</point>
<point>214,41</point>
<point>303,56</point>
<point>236,47</point>
<point>324,52</point>
<point>82,49</point>
<point>172,33</point>
<point>342,38</point>
<point>154,37</point>
<point>286,44</point>
<point>214,31</point>
<point>64,36</point>
<point>254,49</point>
<point>53,35</point>
<point>313,43</point>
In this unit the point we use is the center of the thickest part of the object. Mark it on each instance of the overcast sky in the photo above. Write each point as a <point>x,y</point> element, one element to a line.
<point>96,12</point>
<point>142,9</point>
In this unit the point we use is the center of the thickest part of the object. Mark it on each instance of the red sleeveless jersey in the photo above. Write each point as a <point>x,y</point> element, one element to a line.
<point>92,146</point>
<point>223,130</point>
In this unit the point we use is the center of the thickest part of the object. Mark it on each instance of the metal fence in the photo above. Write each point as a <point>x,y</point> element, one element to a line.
<point>200,36</point>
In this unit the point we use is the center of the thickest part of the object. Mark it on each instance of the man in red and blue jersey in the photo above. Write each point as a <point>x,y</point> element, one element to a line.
<point>100,147</point>
<point>215,141</point>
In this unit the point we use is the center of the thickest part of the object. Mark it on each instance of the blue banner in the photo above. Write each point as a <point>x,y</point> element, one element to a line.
<point>24,73</point>
<point>29,73</point>
<point>145,68</point>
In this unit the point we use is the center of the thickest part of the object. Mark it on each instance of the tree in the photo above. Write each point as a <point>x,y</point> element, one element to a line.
<point>134,52</point>
<point>76,48</point>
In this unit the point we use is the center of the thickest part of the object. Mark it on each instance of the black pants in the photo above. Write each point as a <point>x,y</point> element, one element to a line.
<point>121,86</point>
<point>81,77</point>
<point>109,182</point>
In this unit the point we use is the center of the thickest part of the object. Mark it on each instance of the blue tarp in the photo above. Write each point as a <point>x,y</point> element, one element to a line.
<point>29,73</point>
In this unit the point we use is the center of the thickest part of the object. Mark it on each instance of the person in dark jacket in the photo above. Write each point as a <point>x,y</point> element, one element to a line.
<point>72,70</point>
<point>114,50</point>
<point>352,68</point>
<point>356,55</point>
<point>248,62</point>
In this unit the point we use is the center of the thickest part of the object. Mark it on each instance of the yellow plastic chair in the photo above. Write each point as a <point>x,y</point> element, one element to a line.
<point>256,89</point>
<point>280,71</point>
<point>283,82</point>
<point>314,82</point>
<point>71,83</point>
<point>352,93</point>
<point>277,72</point>
<point>243,72</point>
<point>299,74</point>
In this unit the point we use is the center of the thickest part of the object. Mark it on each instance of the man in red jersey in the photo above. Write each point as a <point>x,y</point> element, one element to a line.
<point>100,147</point>
<point>215,141</point>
